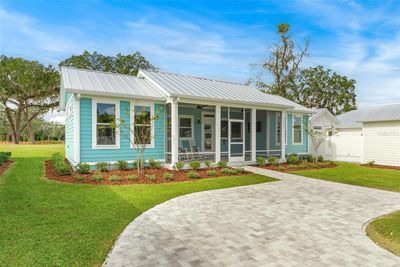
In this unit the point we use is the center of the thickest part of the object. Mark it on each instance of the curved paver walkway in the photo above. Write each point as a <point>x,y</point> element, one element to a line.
<point>295,221</point>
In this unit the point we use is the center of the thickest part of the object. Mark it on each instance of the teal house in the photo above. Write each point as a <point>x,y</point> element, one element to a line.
<point>185,118</point>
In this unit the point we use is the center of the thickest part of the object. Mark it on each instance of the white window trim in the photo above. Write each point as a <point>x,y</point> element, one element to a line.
<point>132,120</point>
<point>301,129</point>
<point>95,101</point>
<point>191,117</point>
<point>277,138</point>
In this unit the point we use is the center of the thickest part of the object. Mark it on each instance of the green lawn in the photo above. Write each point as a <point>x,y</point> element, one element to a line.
<point>354,174</point>
<point>384,231</point>
<point>46,223</point>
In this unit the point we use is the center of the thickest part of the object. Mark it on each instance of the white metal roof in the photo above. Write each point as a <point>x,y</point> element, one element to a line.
<point>320,111</point>
<point>354,118</point>
<point>196,87</point>
<point>108,84</point>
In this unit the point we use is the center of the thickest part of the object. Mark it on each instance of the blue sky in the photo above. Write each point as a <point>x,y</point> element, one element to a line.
<point>216,39</point>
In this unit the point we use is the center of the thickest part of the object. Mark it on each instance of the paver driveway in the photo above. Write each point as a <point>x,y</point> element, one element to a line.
<point>295,221</point>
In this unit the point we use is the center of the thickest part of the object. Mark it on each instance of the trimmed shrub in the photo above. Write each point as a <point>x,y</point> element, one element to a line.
<point>151,177</point>
<point>320,158</point>
<point>211,173</point>
<point>194,165</point>
<point>61,168</point>
<point>83,168</point>
<point>56,157</point>
<point>79,177</point>
<point>229,171</point>
<point>306,158</point>
<point>121,165</point>
<point>102,166</point>
<point>168,176</point>
<point>273,160</point>
<point>114,178</point>
<point>179,165</point>
<point>132,177</point>
<point>97,176</point>
<point>240,170</point>
<point>193,175</point>
<point>281,168</point>
<point>207,163</point>
<point>371,162</point>
<point>4,156</point>
<point>261,161</point>
<point>293,159</point>
<point>154,164</point>
<point>222,164</point>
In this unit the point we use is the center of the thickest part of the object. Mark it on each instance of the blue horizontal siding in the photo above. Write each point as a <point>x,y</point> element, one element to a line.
<point>125,152</point>
<point>296,148</point>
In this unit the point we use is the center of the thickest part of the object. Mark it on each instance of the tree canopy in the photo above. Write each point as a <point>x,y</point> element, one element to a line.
<point>28,89</point>
<point>124,64</point>
<point>318,87</point>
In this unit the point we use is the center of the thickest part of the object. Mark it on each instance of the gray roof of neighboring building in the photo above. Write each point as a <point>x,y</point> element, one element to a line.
<point>196,87</point>
<point>104,83</point>
<point>355,118</point>
<point>320,111</point>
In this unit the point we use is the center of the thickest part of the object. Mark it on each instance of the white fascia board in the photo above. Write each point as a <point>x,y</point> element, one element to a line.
<point>153,83</point>
<point>112,94</point>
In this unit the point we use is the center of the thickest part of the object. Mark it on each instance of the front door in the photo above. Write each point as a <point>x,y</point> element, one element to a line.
<point>208,133</point>
<point>236,140</point>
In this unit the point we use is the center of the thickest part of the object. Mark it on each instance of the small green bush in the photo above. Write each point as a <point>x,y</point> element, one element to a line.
<point>56,157</point>
<point>207,163</point>
<point>154,164</point>
<point>132,177</point>
<point>114,178</point>
<point>151,177</point>
<point>222,164</point>
<point>193,175</point>
<point>102,166</point>
<point>273,160</point>
<point>168,176</point>
<point>97,176</point>
<point>306,157</point>
<point>179,165</point>
<point>292,166</point>
<point>61,168</point>
<point>293,159</point>
<point>240,170</point>
<point>211,173</point>
<point>228,171</point>
<point>261,161</point>
<point>302,166</point>
<point>281,168</point>
<point>320,158</point>
<point>79,177</point>
<point>194,165</point>
<point>83,168</point>
<point>4,156</point>
<point>121,165</point>
<point>138,162</point>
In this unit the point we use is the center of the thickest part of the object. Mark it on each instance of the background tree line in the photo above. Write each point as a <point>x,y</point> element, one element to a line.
<point>29,89</point>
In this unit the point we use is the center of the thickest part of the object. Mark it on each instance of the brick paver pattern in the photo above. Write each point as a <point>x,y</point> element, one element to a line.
<point>296,221</point>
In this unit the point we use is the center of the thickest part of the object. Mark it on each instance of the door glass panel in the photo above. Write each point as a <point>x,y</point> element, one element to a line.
<point>236,131</point>
<point>236,150</point>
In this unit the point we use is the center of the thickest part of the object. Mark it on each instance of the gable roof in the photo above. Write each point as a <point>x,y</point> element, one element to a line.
<point>355,118</point>
<point>321,111</point>
<point>178,85</point>
<point>107,84</point>
<point>155,85</point>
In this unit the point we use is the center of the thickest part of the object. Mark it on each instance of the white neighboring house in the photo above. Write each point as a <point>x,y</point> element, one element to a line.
<point>370,134</point>
<point>322,120</point>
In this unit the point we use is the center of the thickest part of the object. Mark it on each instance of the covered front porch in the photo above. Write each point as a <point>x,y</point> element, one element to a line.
<point>221,132</point>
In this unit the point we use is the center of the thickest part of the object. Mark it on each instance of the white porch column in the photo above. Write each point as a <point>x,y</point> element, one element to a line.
<point>283,135</point>
<point>217,133</point>
<point>174,132</point>
<point>253,134</point>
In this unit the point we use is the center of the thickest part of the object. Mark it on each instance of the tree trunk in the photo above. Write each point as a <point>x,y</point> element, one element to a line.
<point>29,125</point>
<point>14,135</point>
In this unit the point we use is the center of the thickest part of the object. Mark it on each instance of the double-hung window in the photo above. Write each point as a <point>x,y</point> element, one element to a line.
<point>105,117</point>
<point>143,130</point>
<point>186,126</point>
<point>297,130</point>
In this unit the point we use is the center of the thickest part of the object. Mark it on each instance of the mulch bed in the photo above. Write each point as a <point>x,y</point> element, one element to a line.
<point>377,166</point>
<point>5,166</point>
<point>285,167</point>
<point>179,176</point>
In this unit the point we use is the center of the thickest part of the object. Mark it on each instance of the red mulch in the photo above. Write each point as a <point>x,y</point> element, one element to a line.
<point>5,166</point>
<point>179,176</point>
<point>285,167</point>
<point>377,166</point>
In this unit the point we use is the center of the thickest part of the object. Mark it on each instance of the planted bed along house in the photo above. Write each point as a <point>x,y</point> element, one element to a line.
<point>196,118</point>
